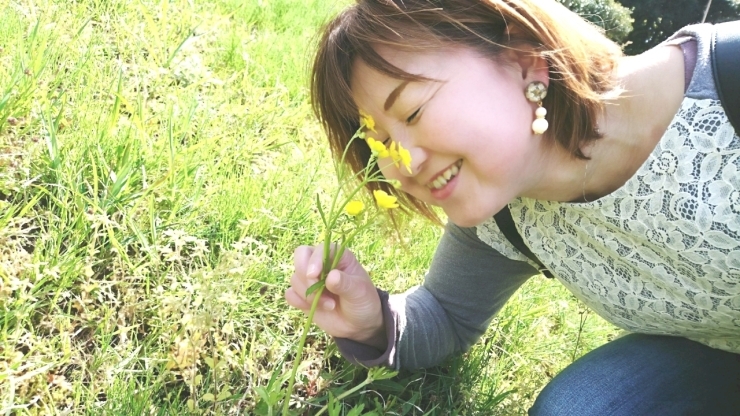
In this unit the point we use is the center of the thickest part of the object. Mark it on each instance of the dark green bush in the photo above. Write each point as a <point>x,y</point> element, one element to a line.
<point>655,20</point>
<point>608,14</point>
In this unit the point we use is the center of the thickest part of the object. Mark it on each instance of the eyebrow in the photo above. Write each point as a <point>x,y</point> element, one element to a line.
<point>394,95</point>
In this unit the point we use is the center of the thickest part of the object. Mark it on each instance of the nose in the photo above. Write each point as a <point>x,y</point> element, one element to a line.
<point>418,157</point>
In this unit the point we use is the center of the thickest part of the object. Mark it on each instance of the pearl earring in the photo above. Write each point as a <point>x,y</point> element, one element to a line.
<point>536,92</point>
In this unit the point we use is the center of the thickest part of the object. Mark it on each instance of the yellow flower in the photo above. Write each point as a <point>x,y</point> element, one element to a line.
<point>354,207</point>
<point>400,156</point>
<point>404,156</point>
<point>366,120</point>
<point>384,200</point>
<point>377,147</point>
<point>393,151</point>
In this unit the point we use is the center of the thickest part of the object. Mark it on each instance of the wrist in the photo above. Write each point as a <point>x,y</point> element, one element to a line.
<point>374,334</point>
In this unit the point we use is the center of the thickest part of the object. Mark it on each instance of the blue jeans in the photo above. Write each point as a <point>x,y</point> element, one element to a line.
<point>645,375</point>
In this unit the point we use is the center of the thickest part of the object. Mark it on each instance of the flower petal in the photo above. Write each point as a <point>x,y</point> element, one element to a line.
<point>367,121</point>
<point>377,147</point>
<point>354,207</point>
<point>384,200</point>
<point>405,157</point>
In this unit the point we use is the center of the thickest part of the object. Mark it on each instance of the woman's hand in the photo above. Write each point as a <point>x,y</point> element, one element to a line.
<point>349,306</point>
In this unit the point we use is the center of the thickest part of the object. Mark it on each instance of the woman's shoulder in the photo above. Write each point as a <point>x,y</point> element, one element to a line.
<point>696,43</point>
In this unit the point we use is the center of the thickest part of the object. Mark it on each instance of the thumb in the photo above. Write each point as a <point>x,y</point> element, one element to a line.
<point>350,287</point>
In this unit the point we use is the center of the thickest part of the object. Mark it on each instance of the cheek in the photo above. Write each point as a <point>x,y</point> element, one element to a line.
<point>388,169</point>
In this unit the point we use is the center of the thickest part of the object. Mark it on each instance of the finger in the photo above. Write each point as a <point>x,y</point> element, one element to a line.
<point>299,283</point>
<point>345,285</point>
<point>301,256</point>
<point>299,286</point>
<point>296,301</point>
<point>315,264</point>
<point>327,303</point>
<point>317,259</point>
<point>348,259</point>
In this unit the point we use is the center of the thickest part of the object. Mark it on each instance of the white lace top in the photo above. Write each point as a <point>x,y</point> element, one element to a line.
<point>661,254</point>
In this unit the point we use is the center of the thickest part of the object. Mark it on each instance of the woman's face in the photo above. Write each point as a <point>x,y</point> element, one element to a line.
<point>469,131</point>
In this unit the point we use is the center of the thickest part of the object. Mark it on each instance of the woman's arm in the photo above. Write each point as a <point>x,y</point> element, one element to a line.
<point>467,284</point>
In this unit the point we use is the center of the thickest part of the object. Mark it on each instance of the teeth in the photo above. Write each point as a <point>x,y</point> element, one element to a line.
<point>446,176</point>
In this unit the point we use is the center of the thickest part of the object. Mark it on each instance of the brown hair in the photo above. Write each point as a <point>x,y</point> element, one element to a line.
<point>581,62</point>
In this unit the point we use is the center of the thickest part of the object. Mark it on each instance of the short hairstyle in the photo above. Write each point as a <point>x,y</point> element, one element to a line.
<point>580,58</point>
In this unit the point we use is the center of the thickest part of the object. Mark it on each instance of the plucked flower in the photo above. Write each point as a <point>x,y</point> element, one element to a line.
<point>404,157</point>
<point>377,147</point>
<point>354,207</point>
<point>384,200</point>
<point>346,230</point>
<point>400,156</point>
<point>367,121</point>
<point>393,151</point>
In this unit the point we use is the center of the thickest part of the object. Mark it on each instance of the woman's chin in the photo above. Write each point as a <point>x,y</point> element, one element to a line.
<point>471,218</point>
<point>466,221</point>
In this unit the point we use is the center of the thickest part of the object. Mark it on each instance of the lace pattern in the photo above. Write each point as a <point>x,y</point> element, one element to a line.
<point>490,234</point>
<point>661,254</point>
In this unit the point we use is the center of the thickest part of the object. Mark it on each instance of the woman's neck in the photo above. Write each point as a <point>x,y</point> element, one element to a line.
<point>634,123</point>
<point>631,125</point>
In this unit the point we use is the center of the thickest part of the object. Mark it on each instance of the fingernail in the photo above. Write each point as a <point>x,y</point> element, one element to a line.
<point>329,305</point>
<point>311,271</point>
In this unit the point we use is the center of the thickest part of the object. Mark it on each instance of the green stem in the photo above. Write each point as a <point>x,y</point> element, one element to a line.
<point>309,320</point>
<point>299,352</point>
<point>359,229</point>
<point>329,264</point>
<point>340,179</point>
<point>327,251</point>
<point>346,148</point>
<point>334,218</point>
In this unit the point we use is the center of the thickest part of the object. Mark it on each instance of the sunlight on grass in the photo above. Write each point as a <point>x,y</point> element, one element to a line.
<point>158,166</point>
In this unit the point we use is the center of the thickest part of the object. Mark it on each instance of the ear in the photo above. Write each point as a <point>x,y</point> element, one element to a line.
<point>530,64</point>
<point>533,65</point>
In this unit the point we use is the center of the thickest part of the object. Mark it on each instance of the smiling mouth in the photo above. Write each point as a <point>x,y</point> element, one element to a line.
<point>445,176</point>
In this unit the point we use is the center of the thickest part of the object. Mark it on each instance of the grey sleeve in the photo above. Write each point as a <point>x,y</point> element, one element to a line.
<point>467,284</point>
<point>701,85</point>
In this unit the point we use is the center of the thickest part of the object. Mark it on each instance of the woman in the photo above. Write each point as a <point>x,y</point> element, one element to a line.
<point>622,175</point>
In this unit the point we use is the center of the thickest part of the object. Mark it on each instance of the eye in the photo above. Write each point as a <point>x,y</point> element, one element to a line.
<point>386,141</point>
<point>412,117</point>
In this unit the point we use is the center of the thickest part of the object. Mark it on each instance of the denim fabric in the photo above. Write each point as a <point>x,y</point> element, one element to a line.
<point>646,375</point>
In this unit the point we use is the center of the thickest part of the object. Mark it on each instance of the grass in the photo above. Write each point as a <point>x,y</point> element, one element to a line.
<point>158,166</point>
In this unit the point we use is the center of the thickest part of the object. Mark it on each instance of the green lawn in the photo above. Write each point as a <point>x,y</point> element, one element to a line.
<point>158,166</point>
